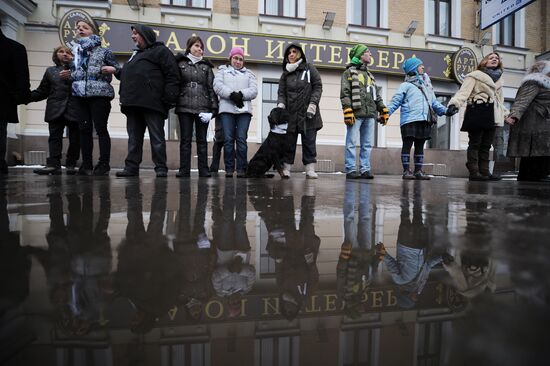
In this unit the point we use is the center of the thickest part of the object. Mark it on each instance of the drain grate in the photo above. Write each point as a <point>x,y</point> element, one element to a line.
<point>35,157</point>
<point>324,166</point>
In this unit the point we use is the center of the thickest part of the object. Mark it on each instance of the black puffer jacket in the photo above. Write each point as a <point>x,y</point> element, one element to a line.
<point>58,91</point>
<point>197,87</point>
<point>299,88</point>
<point>150,78</point>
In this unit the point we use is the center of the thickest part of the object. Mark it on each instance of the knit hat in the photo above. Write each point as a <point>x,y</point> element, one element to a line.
<point>236,51</point>
<point>411,64</point>
<point>356,52</point>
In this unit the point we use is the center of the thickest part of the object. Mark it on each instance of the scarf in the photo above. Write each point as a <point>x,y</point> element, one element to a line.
<point>82,48</point>
<point>233,71</point>
<point>194,59</point>
<point>495,74</point>
<point>416,80</point>
<point>356,86</point>
<point>356,61</point>
<point>292,67</point>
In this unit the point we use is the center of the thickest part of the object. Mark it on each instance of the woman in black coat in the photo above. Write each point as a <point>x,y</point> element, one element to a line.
<point>196,106</point>
<point>60,113</point>
<point>300,90</point>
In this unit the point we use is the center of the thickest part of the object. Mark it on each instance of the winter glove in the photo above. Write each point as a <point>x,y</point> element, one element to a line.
<point>380,251</point>
<point>384,116</point>
<point>349,118</point>
<point>451,110</point>
<point>237,98</point>
<point>281,105</point>
<point>311,110</point>
<point>205,117</point>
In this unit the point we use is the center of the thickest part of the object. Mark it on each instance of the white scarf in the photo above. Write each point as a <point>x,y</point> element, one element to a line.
<point>292,67</point>
<point>194,59</point>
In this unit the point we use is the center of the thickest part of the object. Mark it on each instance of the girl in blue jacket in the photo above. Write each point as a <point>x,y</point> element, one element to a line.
<point>413,96</point>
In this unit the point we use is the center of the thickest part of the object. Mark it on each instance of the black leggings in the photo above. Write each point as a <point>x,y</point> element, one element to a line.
<point>408,143</point>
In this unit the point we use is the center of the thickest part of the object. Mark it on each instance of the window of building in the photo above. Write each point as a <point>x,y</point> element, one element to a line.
<point>196,354</point>
<point>429,344</point>
<point>506,31</point>
<point>441,134</point>
<point>365,13</point>
<point>357,347</point>
<point>439,17</point>
<point>278,350</point>
<point>270,89</point>
<point>172,126</point>
<point>281,8</point>
<point>188,3</point>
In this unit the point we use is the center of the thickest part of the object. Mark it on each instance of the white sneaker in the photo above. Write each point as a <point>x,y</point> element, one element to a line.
<point>310,171</point>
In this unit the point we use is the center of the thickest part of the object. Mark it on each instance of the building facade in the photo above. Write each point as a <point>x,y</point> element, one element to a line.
<point>434,30</point>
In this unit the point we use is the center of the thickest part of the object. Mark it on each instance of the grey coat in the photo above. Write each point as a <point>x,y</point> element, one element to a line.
<point>530,136</point>
<point>197,87</point>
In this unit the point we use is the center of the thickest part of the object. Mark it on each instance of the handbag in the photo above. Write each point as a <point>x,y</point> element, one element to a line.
<point>432,116</point>
<point>479,117</point>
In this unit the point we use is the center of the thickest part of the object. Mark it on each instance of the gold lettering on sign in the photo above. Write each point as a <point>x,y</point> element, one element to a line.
<point>398,59</point>
<point>268,306</point>
<point>209,44</point>
<point>392,299</point>
<point>330,301</point>
<point>348,49</point>
<point>244,46</point>
<point>317,48</point>
<point>173,40</point>
<point>315,308</point>
<point>335,55</point>
<point>383,59</point>
<point>217,305</point>
<point>243,307</point>
<point>279,48</point>
<point>377,299</point>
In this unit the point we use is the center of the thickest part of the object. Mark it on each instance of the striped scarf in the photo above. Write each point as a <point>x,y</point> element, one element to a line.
<point>356,86</point>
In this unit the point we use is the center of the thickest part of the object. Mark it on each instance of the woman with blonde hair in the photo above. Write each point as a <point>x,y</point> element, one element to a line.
<point>485,110</point>
<point>530,124</point>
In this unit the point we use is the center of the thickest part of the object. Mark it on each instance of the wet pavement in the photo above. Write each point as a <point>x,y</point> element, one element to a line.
<point>219,271</point>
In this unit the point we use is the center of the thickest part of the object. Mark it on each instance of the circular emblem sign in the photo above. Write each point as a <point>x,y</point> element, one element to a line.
<point>67,26</point>
<point>464,62</point>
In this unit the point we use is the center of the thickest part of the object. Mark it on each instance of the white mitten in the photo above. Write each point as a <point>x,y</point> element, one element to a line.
<point>205,117</point>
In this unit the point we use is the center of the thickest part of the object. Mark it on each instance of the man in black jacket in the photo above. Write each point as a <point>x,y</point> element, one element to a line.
<point>14,89</point>
<point>149,86</point>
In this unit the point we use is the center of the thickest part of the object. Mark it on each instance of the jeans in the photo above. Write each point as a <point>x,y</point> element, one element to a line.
<point>235,130</point>
<point>55,142</point>
<point>364,129</point>
<point>358,224</point>
<point>94,113</point>
<point>309,149</point>
<point>137,120</point>
<point>187,121</point>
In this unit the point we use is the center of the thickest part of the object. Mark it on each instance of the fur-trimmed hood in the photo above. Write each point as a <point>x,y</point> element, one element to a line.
<point>541,79</point>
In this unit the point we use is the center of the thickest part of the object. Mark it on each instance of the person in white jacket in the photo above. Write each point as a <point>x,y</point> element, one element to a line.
<point>236,87</point>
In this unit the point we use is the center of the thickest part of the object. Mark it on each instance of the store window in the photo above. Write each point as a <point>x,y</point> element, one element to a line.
<point>506,31</point>
<point>439,17</point>
<point>357,347</point>
<point>278,350</point>
<point>365,13</point>
<point>192,354</point>
<point>502,135</point>
<point>206,4</point>
<point>270,89</point>
<point>172,126</point>
<point>429,344</point>
<point>441,133</point>
<point>282,8</point>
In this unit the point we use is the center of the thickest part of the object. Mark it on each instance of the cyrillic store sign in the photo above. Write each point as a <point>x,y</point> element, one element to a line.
<point>261,48</point>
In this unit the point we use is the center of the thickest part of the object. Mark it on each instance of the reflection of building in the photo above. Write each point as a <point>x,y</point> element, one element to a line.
<point>394,30</point>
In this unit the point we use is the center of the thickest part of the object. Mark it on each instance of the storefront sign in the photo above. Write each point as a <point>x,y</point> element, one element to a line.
<point>492,11</point>
<point>262,48</point>
<point>464,62</point>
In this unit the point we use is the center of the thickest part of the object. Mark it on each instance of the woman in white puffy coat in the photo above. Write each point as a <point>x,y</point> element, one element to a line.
<point>236,87</point>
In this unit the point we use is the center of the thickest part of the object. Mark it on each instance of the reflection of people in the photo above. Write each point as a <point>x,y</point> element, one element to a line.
<point>147,268</point>
<point>530,120</point>
<point>234,275</point>
<point>149,86</point>
<point>60,113</point>
<point>194,252</point>
<point>300,89</point>
<point>411,267</point>
<point>358,261</point>
<point>14,89</point>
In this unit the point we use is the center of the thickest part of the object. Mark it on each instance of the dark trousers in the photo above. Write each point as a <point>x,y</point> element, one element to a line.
<point>534,168</point>
<point>94,113</point>
<point>3,146</point>
<point>137,120</point>
<point>187,122</point>
<point>309,149</point>
<point>55,142</point>
<point>479,145</point>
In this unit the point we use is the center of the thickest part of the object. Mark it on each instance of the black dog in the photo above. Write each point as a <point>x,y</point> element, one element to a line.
<point>273,149</point>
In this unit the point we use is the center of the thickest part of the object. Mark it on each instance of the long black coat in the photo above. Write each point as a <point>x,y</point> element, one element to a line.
<point>14,78</point>
<point>197,87</point>
<point>58,91</point>
<point>150,79</point>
